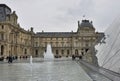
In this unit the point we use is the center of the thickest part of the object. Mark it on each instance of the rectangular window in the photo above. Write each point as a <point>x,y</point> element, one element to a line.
<point>62,52</point>
<point>2,36</point>
<point>51,39</point>
<point>87,44</point>
<point>2,26</point>
<point>56,44</point>
<point>57,52</point>
<point>51,44</point>
<point>36,44</point>
<point>68,52</point>
<point>62,44</point>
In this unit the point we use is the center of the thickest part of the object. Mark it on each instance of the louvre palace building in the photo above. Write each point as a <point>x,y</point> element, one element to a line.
<point>16,41</point>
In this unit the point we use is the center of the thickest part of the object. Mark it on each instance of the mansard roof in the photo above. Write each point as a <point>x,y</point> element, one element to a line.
<point>86,23</point>
<point>54,34</point>
<point>4,5</point>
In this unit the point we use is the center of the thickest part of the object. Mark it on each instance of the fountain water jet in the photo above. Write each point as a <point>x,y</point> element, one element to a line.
<point>48,54</point>
<point>31,59</point>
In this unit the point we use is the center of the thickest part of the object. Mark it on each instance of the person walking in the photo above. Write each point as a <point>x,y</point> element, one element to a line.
<point>10,59</point>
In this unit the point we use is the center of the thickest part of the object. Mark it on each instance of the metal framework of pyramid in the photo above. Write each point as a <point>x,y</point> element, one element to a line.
<point>108,50</point>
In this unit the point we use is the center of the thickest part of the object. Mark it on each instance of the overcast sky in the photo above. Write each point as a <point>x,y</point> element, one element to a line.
<point>62,15</point>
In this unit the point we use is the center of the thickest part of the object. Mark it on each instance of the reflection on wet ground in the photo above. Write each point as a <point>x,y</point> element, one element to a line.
<point>43,71</point>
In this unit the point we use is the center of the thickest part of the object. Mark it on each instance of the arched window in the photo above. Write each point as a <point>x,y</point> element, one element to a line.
<point>76,52</point>
<point>25,51</point>
<point>36,52</point>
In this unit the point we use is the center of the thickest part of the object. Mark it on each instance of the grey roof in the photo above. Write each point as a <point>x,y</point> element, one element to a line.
<point>86,23</point>
<point>4,5</point>
<point>54,34</point>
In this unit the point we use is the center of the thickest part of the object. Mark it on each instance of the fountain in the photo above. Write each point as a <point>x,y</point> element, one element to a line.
<point>31,60</point>
<point>48,54</point>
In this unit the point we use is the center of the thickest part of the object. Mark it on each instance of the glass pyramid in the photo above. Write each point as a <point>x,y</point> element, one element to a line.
<point>108,50</point>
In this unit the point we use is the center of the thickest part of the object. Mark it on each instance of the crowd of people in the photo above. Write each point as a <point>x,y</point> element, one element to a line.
<point>11,58</point>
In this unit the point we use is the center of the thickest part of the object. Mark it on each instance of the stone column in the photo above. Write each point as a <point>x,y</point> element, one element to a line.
<point>8,49</point>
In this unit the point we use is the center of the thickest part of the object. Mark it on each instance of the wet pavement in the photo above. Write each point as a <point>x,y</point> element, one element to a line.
<point>48,70</point>
<point>57,70</point>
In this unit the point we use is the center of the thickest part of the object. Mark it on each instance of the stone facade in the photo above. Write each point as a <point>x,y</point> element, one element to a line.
<point>16,41</point>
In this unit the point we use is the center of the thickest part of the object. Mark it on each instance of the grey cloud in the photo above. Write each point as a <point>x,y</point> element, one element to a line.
<point>62,15</point>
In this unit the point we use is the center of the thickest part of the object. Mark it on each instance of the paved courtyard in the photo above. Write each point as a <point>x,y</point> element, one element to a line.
<point>46,70</point>
<point>43,71</point>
